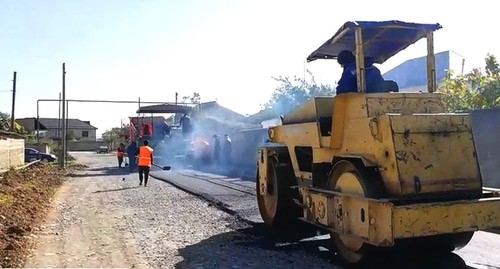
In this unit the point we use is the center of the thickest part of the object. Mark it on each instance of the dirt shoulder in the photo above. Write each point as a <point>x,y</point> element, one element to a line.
<point>80,231</point>
<point>25,197</point>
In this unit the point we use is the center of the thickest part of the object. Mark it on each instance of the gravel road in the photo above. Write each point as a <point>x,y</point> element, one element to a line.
<point>99,220</point>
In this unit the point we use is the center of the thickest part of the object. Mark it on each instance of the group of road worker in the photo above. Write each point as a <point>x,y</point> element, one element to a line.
<point>140,159</point>
<point>222,153</point>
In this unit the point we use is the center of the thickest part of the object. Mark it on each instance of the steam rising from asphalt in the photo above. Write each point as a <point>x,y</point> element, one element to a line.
<point>196,152</point>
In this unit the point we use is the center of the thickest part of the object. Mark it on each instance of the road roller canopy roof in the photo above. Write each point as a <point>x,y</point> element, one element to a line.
<point>381,39</point>
<point>164,108</point>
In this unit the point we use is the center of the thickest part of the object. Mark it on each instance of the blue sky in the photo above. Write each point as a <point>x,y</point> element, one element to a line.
<point>227,50</point>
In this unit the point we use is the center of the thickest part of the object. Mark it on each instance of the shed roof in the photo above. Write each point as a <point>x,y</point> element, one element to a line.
<point>164,108</point>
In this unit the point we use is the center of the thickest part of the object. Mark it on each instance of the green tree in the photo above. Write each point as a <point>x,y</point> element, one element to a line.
<point>474,90</point>
<point>5,124</point>
<point>291,93</point>
<point>70,136</point>
<point>116,134</point>
<point>4,121</point>
<point>194,98</point>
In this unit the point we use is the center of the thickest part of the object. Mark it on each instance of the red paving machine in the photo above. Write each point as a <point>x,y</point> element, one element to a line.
<point>165,136</point>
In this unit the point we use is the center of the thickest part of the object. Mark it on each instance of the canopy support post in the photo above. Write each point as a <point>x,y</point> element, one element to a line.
<point>431,64</point>
<point>360,61</point>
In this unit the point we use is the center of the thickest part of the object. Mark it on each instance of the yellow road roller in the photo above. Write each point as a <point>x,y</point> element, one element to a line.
<point>376,167</point>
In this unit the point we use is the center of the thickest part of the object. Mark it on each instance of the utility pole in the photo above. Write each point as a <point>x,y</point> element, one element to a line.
<point>63,142</point>
<point>59,131</point>
<point>12,121</point>
<point>66,132</point>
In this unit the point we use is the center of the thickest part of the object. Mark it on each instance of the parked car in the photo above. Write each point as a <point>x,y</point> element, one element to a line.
<point>33,154</point>
<point>102,149</point>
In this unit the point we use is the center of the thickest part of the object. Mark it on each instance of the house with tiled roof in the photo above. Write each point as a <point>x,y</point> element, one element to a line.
<point>50,128</point>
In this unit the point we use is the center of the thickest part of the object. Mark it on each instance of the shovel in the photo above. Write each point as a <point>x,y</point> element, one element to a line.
<point>166,168</point>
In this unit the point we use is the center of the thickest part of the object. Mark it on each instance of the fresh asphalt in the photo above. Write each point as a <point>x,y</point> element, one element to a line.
<point>234,195</point>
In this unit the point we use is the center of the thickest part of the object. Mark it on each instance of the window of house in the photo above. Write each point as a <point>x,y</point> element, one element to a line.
<point>85,133</point>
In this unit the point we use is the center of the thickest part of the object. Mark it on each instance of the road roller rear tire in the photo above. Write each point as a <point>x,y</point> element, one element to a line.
<point>352,177</point>
<point>277,208</point>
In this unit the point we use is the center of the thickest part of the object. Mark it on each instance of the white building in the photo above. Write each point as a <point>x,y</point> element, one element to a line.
<point>411,75</point>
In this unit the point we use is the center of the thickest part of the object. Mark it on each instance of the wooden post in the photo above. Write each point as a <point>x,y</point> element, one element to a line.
<point>360,61</point>
<point>431,64</point>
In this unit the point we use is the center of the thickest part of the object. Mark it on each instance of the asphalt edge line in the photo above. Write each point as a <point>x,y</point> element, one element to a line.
<point>207,198</point>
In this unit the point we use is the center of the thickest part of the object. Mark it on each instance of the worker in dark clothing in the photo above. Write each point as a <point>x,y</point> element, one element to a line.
<point>131,152</point>
<point>185,123</point>
<point>226,150</point>
<point>372,76</point>
<point>348,81</point>
<point>217,149</point>
<point>166,129</point>
<point>145,160</point>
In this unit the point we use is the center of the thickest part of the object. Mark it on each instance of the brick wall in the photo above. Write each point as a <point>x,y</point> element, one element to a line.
<point>11,152</point>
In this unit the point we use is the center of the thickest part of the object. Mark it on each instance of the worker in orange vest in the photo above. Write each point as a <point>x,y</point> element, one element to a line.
<point>144,162</point>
